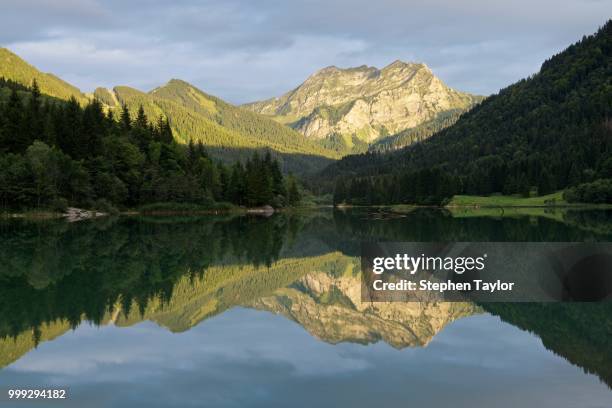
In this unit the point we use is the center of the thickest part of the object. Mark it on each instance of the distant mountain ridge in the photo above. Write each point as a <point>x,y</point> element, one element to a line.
<point>334,112</point>
<point>229,132</point>
<point>14,68</point>
<point>365,103</point>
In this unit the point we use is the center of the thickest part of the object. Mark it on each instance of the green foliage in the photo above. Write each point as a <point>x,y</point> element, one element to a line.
<point>14,68</point>
<point>240,120</point>
<point>426,187</point>
<point>498,200</point>
<point>56,271</point>
<point>189,208</point>
<point>546,133</point>
<point>230,133</point>
<point>344,144</point>
<point>106,97</point>
<point>333,114</point>
<point>418,133</point>
<point>597,192</point>
<point>293,192</point>
<point>60,151</point>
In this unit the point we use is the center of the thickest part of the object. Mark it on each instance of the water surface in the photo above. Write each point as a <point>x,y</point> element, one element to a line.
<point>252,311</point>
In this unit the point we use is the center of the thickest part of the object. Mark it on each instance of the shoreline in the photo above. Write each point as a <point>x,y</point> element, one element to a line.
<point>96,214</point>
<point>268,211</point>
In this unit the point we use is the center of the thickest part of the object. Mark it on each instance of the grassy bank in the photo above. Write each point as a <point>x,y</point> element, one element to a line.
<point>554,199</point>
<point>553,213</point>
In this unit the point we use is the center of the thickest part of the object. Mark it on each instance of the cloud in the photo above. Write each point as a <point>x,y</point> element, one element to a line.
<point>244,50</point>
<point>258,359</point>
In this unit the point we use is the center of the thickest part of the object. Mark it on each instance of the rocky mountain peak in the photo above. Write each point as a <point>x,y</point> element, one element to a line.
<point>365,103</point>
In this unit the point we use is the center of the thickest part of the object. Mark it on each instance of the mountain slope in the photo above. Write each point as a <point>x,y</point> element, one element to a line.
<point>546,132</point>
<point>365,102</point>
<point>230,133</point>
<point>14,68</point>
<point>235,118</point>
<point>329,306</point>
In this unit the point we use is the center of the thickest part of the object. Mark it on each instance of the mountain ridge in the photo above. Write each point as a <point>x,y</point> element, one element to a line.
<point>17,69</point>
<point>364,103</point>
<point>231,133</point>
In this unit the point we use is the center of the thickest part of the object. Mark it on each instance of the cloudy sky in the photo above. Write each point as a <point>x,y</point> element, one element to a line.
<point>248,358</point>
<point>244,50</point>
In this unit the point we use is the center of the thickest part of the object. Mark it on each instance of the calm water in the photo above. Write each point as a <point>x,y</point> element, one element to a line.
<point>251,311</point>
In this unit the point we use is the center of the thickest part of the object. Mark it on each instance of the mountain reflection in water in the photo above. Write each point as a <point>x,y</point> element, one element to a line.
<point>177,272</point>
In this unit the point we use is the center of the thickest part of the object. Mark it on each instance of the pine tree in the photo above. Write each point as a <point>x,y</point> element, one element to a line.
<point>94,128</point>
<point>141,119</point>
<point>237,187</point>
<point>192,155</point>
<point>293,193</point>
<point>224,181</point>
<point>166,132</point>
<point>72,139</point>
<point>124,119</point>
<point>201,151</point>
<point>14,139</point>
<point>33,121</point>
<point>86,155</point>
<point>278,187</point>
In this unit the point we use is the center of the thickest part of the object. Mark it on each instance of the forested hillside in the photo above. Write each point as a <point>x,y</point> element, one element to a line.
<point>237,119</point>
<point>418,133</point>
<point>55,153</point>
<point>548,132</point>
<point>230,133</point>
<point>14,68</point>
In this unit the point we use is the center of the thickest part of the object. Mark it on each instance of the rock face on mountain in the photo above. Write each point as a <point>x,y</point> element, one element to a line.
<point>330,308</point>
<point>365,102</point>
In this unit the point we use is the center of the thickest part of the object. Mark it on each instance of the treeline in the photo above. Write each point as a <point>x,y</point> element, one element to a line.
<point>598,192</point>
<point>418,133</point>
<point>237,119</point>
<point>9,84</point>
<point>196,119</point>
<point>549,132</point>
<point>427,186</point>
<point>55,153</point>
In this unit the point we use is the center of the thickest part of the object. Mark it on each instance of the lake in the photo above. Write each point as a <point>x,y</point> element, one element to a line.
<point>235,311</point>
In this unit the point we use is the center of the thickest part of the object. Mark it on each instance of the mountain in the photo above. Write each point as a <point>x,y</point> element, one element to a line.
<point>14,68</point>
<point>302,289</point>
<point>365,104</point>
<point>199,116</point>
<point>330,308</point>
<point>548,132</point>
<point>229,132</point>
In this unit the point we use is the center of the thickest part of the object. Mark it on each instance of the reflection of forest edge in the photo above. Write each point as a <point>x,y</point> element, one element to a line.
<point>179,272</point>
